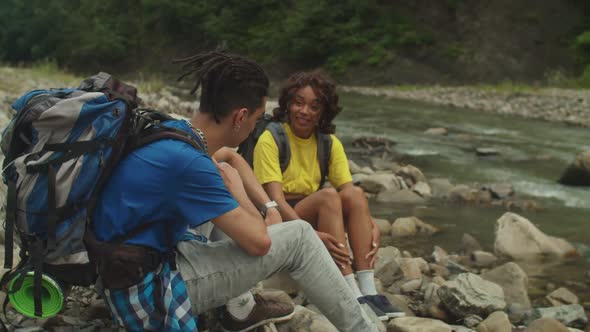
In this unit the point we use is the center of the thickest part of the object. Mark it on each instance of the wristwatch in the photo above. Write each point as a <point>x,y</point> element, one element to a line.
<point>268,205</point>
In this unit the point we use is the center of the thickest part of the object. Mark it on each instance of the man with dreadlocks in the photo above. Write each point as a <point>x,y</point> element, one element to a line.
<point>174,187</point>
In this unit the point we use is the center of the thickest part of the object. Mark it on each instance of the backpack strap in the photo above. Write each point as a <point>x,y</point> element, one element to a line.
<point>282,141</point>
<point>324,154</point>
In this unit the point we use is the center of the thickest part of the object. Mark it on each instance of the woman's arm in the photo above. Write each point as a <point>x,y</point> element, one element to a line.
<point>275,191</point>
<point>253,189</point>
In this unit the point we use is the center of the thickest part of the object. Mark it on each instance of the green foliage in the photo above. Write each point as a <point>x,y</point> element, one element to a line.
<point>453,51</point>
<point>88,35</point>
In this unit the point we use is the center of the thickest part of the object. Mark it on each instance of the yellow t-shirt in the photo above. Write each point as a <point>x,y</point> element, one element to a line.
<point>302,176</point>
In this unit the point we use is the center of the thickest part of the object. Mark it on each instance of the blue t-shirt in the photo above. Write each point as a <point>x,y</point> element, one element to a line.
<point>168,182</point>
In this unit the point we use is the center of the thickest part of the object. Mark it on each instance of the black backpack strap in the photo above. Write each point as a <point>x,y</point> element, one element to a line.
<point>282,141</point>
<point>9,225</point>
<point>324,153</point>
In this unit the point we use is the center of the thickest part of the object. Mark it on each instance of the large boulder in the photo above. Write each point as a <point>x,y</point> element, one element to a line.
<point>513,281</point>
<point>578,173</point>
<point>518,238</point>
<point>468,294</point>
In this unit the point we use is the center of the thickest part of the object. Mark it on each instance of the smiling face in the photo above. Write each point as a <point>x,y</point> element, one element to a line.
<point>305,111</point>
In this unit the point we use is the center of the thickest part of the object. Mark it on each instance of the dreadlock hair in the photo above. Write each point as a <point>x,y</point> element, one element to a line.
<point>324,89</point>
<point>227,82</point>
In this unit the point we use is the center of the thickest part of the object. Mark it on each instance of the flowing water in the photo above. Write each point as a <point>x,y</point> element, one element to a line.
<point>533,154</point>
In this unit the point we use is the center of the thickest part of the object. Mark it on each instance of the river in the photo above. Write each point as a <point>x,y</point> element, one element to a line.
<point>532,155</point>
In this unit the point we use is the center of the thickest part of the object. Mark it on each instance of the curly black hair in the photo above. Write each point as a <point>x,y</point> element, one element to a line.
<point>227,81</point>
<point>324,89</point>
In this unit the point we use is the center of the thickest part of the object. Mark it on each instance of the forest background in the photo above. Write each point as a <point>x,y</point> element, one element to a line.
<point>363,42</point>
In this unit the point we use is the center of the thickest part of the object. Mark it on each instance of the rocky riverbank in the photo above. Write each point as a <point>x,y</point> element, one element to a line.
<point>476,288</point>
<point>551,104</point>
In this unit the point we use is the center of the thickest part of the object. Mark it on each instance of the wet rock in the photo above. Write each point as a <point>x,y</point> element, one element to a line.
<point>486,152</point>
<point>482,258</point>
<point>411,226</point>
<point>412,173</point>
<point>306,320</point>
<point>472,321</point>
<point>514,283</point>
<point>422,189</point>
<point>468,294</point>
<point>496,322</point>
<point>518,238</point>
<point>439,131</point>
<point>379,182</point>
<point>546,325</point>
<point>469,244</point>
<point>570,315</point>
<point>354,167</point>
<point>462,194</point>
<point>562,296</point>
<point>578,173</point>
<point>383,225</point>
<point>413,324</point>
<point>440,187</point>
<point>500,190</point>
<point>373,143</point>
<point>381,164</point>
<point>403,196</point>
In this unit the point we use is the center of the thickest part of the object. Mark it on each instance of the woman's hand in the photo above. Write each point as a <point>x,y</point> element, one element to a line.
<point>375,242</point>
<point>336,249</point>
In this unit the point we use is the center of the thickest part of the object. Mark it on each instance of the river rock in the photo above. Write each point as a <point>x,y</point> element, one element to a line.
<point>411,226</point>
<point>412,173</point>
<point>403,196</point>
<point>514,283</point>
<point>431,294</point>
<point>546,325</point>
<point>387,269</point>
<point>481,258</point>
<point>469,244</point>
<point>472,321</point>
<point>463,194</point>
<point>578,173</point>
<point>518,238</point>
<point>500,190</point>
<point>486,152</point>
<point>422,189</point>
<point>496,322</point>
<point>367,170</point>
<point>562,296</point>
<point>415,324</point>
<point>440,187</point>
<point>570,315</point>
<point>379,182</point>
<point>381,164</point>
<point>383,225</point>
<point>412,268</point>
<point>354,167</point>
<point>306,320</point>
<point>460,328</point>
<point>469,294</point>
<point>439,131</point>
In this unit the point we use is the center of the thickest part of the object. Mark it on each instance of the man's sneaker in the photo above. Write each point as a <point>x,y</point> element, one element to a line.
<point>266,310</point>
<point>380,314</point>
<point>383,304</point>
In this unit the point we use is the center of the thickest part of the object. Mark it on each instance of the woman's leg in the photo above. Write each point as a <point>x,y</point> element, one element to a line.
<point>323,210</point>
<point>358,225</point>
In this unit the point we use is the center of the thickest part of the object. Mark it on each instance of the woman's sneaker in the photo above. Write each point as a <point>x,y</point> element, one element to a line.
<point>266,310</point>
<point>383,306</point>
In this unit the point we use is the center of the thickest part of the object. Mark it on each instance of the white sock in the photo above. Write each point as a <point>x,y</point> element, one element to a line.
<point>352,283</point>
<point>366,282</point>
<point>241,306</point>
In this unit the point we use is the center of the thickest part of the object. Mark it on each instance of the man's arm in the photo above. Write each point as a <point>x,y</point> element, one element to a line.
<point>275,191</point>
<point>254,190</point>
<point>243,224</point>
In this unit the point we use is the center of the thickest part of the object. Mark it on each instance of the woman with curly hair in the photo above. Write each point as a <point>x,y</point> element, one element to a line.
<point>308,104</point>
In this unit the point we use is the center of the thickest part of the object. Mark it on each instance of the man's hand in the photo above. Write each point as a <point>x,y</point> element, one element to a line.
<point>375,242</point>
<point>231,178</point>
<point>336,249</point>
<point>273,217</point>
